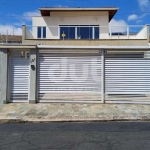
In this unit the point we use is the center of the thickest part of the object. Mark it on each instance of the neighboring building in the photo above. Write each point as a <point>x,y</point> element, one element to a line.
<point>10,39</point>
<point>73,55</point>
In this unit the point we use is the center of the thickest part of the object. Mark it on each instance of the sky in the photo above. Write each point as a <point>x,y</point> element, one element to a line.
<point>14,13</point>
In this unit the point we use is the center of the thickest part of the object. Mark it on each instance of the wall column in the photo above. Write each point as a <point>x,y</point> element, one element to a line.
<point>33,70</point>
<point>103,76</point>
<point>148,38</point>
<point>23,33</point>
<point>3,75</point>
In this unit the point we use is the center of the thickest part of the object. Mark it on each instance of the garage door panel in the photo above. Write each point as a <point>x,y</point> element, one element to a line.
<point>19,77</point>
<point>69,95</point>
<point>127,78</point>
<point>69,78</point>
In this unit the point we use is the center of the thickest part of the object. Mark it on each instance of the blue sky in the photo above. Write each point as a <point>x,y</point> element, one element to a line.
<point>14,13</point>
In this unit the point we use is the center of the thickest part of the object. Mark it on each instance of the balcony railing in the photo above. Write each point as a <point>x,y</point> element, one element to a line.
<point>90,32</point>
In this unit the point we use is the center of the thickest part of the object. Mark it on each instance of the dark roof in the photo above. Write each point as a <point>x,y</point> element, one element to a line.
<point>11,38</point>
<point>45,11</point>
<point>81,7</point>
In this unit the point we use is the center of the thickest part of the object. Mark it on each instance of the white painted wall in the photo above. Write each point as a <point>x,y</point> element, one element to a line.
<point>71,18</point>
<point>142,33</point>
<point>28,34</point>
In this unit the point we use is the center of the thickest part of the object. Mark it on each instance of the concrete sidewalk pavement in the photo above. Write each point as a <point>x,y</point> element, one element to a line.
<point>73,112</point>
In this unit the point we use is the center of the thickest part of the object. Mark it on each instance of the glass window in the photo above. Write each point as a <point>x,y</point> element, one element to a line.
<point>64,30</point>
<point>44,32</point>
<point>96,32</point>
<point>71,33</point>
<point>41,32</point>
<point>68,31</point>
<point>83,31</point>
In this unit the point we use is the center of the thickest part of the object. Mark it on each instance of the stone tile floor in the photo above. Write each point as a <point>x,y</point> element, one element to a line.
<point>73,112</point>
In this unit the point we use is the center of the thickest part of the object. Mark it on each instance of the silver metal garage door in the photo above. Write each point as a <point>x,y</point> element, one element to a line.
<point>19,76</point>
<point>69,77</point>
<point>127,78</point>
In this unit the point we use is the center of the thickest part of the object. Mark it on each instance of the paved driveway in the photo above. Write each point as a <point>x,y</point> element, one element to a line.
<point>76,136</point>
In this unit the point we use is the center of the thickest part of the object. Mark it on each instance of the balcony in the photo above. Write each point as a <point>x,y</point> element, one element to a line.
<point>75,34</point>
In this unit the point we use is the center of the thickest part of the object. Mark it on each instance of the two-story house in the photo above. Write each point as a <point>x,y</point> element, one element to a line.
<point>74,55</point>
<point>82,26</point>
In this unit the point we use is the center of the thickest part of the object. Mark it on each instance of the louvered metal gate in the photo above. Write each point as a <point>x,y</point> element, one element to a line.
<point>69,77</point>
<point>127,78</point>
<point>19,76</point>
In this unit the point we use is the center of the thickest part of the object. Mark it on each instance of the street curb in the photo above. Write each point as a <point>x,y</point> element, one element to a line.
<point>11,121</point>
<point>7,121</point>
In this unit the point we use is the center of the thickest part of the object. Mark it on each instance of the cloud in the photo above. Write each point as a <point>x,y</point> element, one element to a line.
<point>16,27</point>
<point>60,6</point>
<point>132,17</point>
<point>144,15</point>
<point>144,4</point>
<point>11,30</point>
<point>18,24</point>
<point>28,15</point>
<point>138,19</point>
<point>118,25</point>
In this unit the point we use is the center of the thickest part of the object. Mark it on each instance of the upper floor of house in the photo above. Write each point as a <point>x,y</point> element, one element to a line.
<point>82,26</point>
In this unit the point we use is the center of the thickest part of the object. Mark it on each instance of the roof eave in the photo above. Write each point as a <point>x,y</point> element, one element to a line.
<point>67,9</point>
<point>46,11</point>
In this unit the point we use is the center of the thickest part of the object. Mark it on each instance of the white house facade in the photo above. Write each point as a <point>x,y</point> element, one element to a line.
<point>73,55</point>
<point>81,25</point>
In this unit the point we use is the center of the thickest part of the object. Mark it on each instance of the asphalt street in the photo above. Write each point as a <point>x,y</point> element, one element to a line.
<point>76,136</point>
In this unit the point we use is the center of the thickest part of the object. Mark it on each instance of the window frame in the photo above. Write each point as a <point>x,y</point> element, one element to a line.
<point>42,32</point>
<point>67,27</point>
<point>79,27</point>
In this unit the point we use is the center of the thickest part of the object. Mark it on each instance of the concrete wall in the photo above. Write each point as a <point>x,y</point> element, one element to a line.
<point>109,42</point>
<point>4,71</point>
<point>71,18</point>
<point>3,75</point>
<point>28,34</point>
<point>4,56</point>
<point>143,32</point>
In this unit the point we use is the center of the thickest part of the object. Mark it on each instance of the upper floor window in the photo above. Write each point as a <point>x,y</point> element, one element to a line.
<point>41,32</point>
<point>79,31</point>
<point>68,31</point>
<point>84,32</point>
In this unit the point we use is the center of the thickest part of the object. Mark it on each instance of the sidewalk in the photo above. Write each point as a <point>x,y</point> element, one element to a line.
<point>20,112</point>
